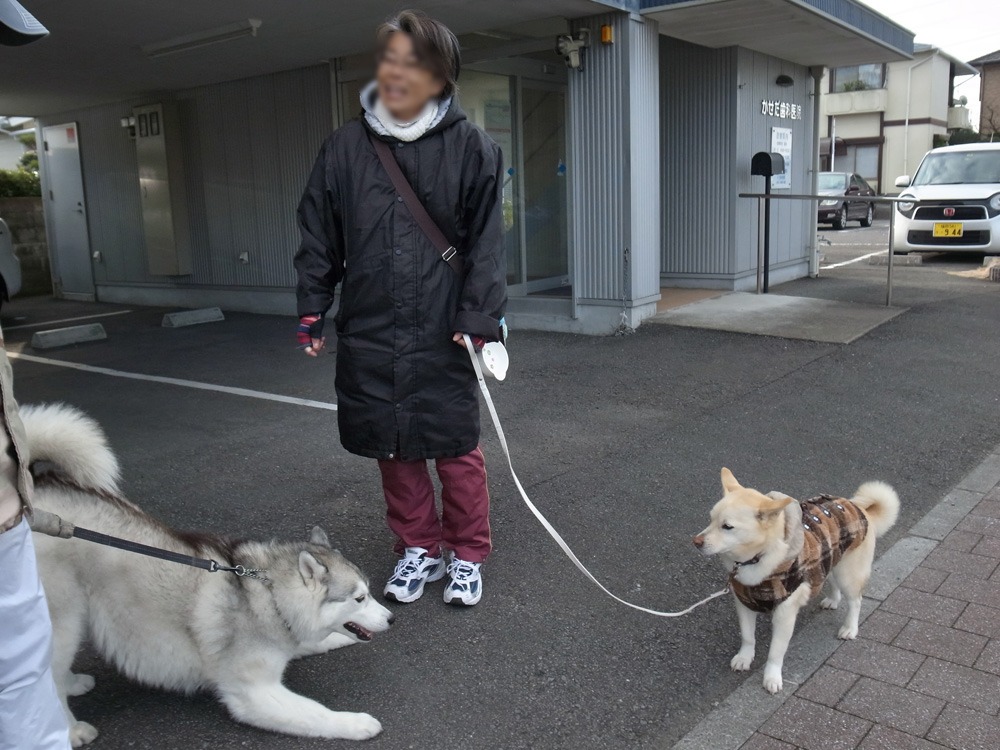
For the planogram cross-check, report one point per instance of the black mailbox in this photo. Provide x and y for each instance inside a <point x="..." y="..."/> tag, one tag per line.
<point x="767" y="164"/>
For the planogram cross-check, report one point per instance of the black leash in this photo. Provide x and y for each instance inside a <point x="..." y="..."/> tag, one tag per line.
<point x="163" y="554"/>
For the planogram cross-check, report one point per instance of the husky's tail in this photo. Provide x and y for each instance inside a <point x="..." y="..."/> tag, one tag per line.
<point x="72" y="441"/>
<point x="880" y="503"/>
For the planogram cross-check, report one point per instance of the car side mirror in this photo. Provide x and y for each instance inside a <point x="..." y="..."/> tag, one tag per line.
<point x="903" y="181"/>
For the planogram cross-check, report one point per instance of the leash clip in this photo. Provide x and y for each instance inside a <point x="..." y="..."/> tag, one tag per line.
<point x="241" y="571"/>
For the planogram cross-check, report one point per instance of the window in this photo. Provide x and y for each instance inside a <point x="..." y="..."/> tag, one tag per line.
<point x="858" y="78"/>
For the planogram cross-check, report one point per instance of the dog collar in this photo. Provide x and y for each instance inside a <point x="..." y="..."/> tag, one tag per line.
<point x="752" y="561"/>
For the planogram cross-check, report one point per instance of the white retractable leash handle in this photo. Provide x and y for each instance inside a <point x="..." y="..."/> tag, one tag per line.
<point x="544" y="521"/>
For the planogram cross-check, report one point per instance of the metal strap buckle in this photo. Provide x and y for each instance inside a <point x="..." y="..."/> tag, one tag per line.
<point x="448" y="254"/>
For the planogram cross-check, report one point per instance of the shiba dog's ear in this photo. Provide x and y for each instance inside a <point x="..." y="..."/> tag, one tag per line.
<point x="311" y="569"/>
<point x="772" y="507"/>
<point x="729" y="483"/>
<point x="318" y="536"/>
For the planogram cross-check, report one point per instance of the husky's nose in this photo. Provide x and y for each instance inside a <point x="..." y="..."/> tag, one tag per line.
<point x="699" y="541"/>
<point x="391" y="619"/>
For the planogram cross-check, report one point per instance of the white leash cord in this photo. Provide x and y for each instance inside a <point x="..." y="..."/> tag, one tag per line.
<point x="544" y="521"/>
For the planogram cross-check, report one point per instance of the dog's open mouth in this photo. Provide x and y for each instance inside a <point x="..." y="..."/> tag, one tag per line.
<point x="359" y="632"/>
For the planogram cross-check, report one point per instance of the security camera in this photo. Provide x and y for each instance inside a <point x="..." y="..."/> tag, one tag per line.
<point x="571" y="48"/>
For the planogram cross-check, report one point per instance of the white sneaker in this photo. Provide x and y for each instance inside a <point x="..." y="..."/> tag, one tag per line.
<point x="465" y="586"/>
<point x="413" y="570"/>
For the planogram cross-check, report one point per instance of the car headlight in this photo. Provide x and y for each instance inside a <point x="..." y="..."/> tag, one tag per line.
<point x="905" y="207"/>
<point x="833" y="202"/>
<point x="995" y="202"/>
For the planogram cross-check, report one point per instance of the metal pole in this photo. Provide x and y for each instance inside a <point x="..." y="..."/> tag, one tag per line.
<point x="767" y="234"/>
<point x="760" y="245"/>
<point x="892" y="254"/>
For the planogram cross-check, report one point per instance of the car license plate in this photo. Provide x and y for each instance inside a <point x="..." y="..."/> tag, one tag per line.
<point x="948" y="229"/>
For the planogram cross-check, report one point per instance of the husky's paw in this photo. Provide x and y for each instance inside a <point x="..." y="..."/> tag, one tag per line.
<point x="830" y="602"/>
<point x="742" y="661"/>
<point x="79" y="684"/>
<point x="81" y="734"/>
<point x="848" y="632"/>
<point x="772" y="680"/>
<point x="359" y="727"/>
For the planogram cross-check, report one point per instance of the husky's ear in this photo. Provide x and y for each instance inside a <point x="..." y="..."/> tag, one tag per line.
<point x="318" y="536"/>
<point x="729" y="483"/>
<point x="772" y="507"/>
<point x="311" y="569"/>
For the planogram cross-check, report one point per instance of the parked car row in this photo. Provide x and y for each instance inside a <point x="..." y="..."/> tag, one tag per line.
<point x="955" y="201"/>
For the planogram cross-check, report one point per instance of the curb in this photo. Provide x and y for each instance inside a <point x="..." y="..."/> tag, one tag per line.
<point x="747" y="708"/>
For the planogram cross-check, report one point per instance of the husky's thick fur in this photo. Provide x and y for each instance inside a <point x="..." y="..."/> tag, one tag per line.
<point x="762" y="537"/>
<point x="183" y="628"/>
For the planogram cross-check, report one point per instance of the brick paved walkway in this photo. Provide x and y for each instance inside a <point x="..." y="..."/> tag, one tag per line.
<point x="924" y="673"/>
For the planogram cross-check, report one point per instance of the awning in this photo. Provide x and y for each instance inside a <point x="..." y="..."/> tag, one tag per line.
<point x="824" y="147"/>
<point x="828" y="33"/>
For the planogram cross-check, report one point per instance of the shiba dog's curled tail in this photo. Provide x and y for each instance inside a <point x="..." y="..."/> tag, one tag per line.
<point x="72" y="441"/>
<point x="880" y="503"/>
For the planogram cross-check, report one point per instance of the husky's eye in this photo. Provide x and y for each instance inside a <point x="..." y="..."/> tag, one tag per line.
<point x="360" y="598"/>
<point x="727" y="526"/>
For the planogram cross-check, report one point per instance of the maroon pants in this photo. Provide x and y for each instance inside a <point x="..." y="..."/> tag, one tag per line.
<point x="464" y="525"/>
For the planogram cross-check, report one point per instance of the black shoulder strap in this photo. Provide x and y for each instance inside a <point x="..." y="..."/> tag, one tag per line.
<point x="448" y="252"/>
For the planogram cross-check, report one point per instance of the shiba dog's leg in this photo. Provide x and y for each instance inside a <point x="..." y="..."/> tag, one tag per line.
<point x="851" y="576"/>
<point x="253" y="693"/>
<point x="833" y="600"/>
<point x="69" y="614"/>
<point x="782" y="628"/>
<point x="748" y="625"/>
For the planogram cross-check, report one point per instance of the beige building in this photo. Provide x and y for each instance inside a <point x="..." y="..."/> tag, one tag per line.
<point x="885" y="117"/>
<point x="989" y="93"/>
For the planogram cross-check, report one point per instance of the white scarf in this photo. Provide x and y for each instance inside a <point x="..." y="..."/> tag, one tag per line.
<point x="384" y="123"/>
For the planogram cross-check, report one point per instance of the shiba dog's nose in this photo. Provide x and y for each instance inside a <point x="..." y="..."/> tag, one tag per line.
<point x="391" y="619"/>
<point x="699" y="541"/>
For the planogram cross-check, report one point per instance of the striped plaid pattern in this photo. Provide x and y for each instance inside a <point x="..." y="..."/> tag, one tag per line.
<point x="832" y="527"/>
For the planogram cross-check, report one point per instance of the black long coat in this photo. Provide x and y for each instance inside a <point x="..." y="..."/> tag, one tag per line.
<point x="404" y="388"/>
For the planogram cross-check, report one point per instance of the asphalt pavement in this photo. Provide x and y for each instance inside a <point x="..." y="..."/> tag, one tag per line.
<point x="618" y="440"/>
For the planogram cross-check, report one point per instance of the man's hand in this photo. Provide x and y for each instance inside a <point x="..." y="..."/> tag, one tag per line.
<point x="310" y="334"/>
<point x="478" y="342"/>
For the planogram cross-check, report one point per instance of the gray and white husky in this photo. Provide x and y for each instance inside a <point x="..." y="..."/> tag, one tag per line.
<point x="181" y="628"/>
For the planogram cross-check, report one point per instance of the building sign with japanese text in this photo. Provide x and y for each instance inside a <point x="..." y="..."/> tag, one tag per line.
<point x="782" y="110"/>
<point x="781" y="143"/>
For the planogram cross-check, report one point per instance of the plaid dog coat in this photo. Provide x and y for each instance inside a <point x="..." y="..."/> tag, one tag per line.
<point x="832" y="526"/>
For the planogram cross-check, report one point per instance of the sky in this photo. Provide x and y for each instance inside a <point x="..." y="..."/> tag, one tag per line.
<point x="965" y="29"/>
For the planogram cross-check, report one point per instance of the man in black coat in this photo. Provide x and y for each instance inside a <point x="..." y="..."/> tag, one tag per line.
<point x="405" y="391"/>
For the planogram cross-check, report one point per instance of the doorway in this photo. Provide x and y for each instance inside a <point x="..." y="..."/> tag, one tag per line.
<point x="65" y="213"/>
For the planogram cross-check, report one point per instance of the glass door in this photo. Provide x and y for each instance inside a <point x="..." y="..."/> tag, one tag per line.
<point x="543" y="192"/>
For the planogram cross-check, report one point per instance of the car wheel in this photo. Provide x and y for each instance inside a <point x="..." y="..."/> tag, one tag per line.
<point x="869" y="216"/>
<point x="840" y="221"/>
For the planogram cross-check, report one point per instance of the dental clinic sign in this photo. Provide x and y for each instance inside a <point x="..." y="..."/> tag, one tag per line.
<point x="781" y="143"/>
<point x="781" y="110"/>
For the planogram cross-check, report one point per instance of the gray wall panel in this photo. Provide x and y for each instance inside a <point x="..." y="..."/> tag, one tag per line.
<point x="698" y="110"/>
<point x="599" y="158"/>
<point x="248" y="148"/>
<point x="644" y="107"/>
<point x="790" y="220"/>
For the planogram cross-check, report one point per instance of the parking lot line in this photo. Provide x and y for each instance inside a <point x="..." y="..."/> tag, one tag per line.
<point x="246" y="392"/>
<point x="67" y="320"/>
<point x="853" y="260"/>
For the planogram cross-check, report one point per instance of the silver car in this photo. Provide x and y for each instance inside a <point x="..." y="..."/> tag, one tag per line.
<point x="958" y="189"/>
<point x="10" y="265"/>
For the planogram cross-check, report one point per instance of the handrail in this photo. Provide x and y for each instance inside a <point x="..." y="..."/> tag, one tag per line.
<point x="761" y="197"/>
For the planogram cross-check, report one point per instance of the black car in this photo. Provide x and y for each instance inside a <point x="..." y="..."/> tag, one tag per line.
<point x="838" y="209"/>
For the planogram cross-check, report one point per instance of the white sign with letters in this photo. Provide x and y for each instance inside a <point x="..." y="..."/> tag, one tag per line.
<point x="781" y="143"/>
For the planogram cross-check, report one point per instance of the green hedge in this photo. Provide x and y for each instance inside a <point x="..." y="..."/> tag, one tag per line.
<point x="19" y="183"/>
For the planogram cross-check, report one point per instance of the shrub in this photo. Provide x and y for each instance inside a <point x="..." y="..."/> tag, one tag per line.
<point x="19" y="183"/>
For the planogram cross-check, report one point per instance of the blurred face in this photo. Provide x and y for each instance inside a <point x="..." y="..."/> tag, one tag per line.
<point x="404" y="84"/>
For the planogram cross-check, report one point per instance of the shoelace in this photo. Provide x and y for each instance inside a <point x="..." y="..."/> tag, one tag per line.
<point x="461" y="571"/>
<point x="408" y="567"/>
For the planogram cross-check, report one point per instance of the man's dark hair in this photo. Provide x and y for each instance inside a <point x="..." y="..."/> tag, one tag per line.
<point x="434" y="44"/>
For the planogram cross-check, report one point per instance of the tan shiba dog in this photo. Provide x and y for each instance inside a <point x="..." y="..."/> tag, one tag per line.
<point x="780" y="552"/>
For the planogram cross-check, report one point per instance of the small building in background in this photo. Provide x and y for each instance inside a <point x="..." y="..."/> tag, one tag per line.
<point x="883" y="117"/>
<point x="989" y="94"/>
